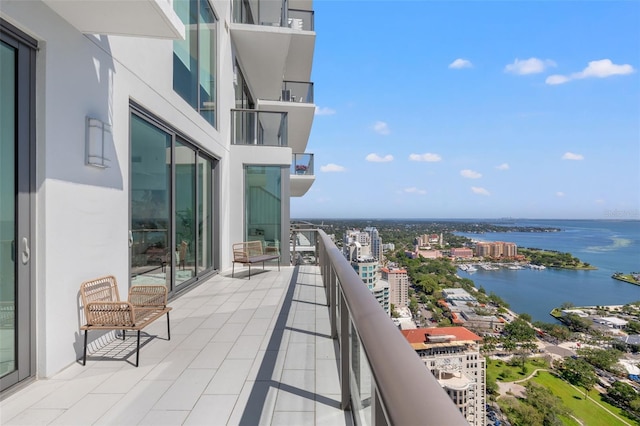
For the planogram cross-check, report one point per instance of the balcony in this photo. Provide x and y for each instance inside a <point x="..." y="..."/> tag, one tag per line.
<point x="306" y="345"/>
<point x="272" y="41"/>
<point x="296" y="99"/>
<point x="302" y="176"/>
<point x="141" y="18"/>
<point x="252" y="127"/>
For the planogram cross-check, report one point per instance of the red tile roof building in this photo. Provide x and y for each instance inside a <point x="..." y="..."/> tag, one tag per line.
<point x="452" y="354"/>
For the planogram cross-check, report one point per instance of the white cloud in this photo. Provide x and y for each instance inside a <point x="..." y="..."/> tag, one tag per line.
<point x="479" y="190"/>
<point x="460" y="63"/>
<point x="559" y="194"/>
<point x="470" y="174"/>
<point x="597" y="69"/>
<point x="529" y="66"/>
<point x="552" y="80"/>
<point x="503" y="166"/>
<point x="324" y="111"/>
<point x="572" y="156"/>
<point x="414" y="190"/>
<point x="375" y="158"/>
<point x="427" y="156"/>
<point x="381" y="128"/>
<point x="600" y="201"/>
<point x="332" y="168"/>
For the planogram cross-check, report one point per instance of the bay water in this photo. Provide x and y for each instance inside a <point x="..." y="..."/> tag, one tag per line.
<point x="610" y="245"/>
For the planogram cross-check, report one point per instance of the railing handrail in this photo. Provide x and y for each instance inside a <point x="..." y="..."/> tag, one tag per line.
<point x="409" y="393"/>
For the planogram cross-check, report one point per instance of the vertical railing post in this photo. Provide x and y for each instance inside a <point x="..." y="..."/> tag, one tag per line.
<point x="377" y="412"/>
<point x="333" y="307"/>
<point x="345" y="362"/>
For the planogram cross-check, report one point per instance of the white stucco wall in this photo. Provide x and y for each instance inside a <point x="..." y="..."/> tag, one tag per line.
<point x="82" y="212"/>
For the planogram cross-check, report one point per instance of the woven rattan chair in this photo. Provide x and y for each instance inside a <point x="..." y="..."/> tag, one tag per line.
<point x="104" y="310"/>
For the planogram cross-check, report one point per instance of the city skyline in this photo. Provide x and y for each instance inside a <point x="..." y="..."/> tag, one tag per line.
<point x="476" y="110"/>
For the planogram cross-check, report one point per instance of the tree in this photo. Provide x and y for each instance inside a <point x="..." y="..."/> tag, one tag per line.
<point x="525" y="317"/>
<point x="622" y="393"/>
<point x="604" y="359"/>
<point x="549" y="405"/>
<point x="579" y="372"/>
<point x="519" y="331"/>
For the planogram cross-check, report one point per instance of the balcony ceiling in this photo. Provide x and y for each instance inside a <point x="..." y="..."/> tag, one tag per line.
<point x="300" y="184"/>
<point x="139" y="18"/>
<point x="299" y="121"/>
<point x="269" y="55"/>
<point x="301" y="4"/>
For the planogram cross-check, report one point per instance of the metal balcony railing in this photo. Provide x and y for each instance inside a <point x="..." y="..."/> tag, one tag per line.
<point x="302" y="164"/>
<point x="383" y="381"/>
<point x="272" y="13"/>
<point x="253" y="127"/>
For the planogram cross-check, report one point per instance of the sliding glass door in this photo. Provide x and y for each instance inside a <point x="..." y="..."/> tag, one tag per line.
<point x="171" y="207"/>
<point x="17" y="58"/>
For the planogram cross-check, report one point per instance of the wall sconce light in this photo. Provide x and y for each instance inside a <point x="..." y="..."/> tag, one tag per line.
<point x="97" y="134"/>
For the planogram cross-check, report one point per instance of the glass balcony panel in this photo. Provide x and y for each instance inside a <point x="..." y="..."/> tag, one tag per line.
<point x="251" y="127"/>
<point x="301" y="20"/>
<point x="302" y="164"/>
<point x="360" y="380"/>
<point x="272" y="13"/>
<point x="297" y="91"/>
<point x="260" y="12"/>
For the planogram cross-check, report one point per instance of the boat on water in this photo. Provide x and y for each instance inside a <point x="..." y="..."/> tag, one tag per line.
<point x="471" y="268"/>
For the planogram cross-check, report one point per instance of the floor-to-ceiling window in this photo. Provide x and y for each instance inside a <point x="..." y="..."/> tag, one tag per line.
<point x="263" y="217"/>
<point x="17" y="101"/>
<point x="194" y="58"/>
<point x="171" y="206"/>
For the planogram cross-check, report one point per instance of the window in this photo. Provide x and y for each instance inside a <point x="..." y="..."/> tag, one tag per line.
<point x="172" y="209"/>
<point x="194" y="58"/>
<point x="263" y="216"/>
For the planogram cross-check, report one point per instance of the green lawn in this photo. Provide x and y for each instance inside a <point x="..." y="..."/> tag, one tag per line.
<point x="498" y="369"/>
<point x="587" y="411"/>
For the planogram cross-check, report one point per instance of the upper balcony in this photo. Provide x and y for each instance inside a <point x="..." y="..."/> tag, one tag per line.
<point x="140" y="18"/>
<point x="264" y="128"/>
<point x="296" y="99"/>
<point x="307" y="344"/>
<point x="272" y="41"/>
<point x="302" y="175"/>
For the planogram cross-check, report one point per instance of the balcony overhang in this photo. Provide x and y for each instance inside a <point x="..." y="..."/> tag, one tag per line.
<point x="139" y="18"/>
<point x="269" y="55"/>
<point x="299" y="121"/>
<point x="300" y="184"/>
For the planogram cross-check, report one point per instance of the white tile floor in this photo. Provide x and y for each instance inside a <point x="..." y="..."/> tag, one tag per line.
<point x="241" y="352"/>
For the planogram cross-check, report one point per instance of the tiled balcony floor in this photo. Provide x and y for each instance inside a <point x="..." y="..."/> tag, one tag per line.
<point x="241" y="352"/>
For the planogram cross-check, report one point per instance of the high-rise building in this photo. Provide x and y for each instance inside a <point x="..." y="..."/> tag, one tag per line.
<point x="452" y="354"/>
<point x="496" y="249"/>
<point x="398" y="285"/>
<point x="149" y="137"/>
<point x="375" y="241"/>
<point x="368" y="269"/>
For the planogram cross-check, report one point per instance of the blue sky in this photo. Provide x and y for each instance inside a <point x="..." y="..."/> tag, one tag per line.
<point x="477" y="109"/>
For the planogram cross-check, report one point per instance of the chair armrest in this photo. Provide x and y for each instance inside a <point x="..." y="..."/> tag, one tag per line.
<point x="148" y="295"/>
<point x="109" y="314"/>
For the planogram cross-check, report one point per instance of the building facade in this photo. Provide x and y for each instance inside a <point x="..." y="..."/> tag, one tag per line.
<point x="368" y="269"/>
<point x="141" y="140"/>
<point x="496" y="249"/>
<point x="398" y="286"/>
<point x="452" y="354"/>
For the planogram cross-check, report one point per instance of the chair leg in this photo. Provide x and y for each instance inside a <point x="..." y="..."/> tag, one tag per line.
<point x="84" y="356"/>
<point x="278" y="264"/>
<point x="138" y="349"/>
<point x="168" y="328"/>
<point x="124" y="334"/>
<point x="233" y="269"/>
<point x="249" y="271"/>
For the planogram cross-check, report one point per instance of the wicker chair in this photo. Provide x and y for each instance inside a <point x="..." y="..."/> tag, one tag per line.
<point x="104" y="310"/>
